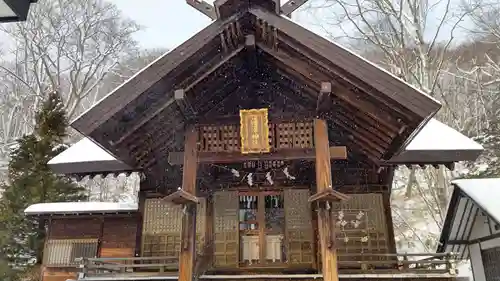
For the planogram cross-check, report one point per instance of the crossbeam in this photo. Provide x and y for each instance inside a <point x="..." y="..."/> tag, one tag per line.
<point x="336" y="153"/>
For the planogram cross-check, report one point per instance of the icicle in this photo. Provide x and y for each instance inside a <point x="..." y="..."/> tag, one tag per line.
<point x="269" y="178"/>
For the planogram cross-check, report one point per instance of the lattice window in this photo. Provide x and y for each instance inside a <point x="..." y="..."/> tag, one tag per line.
<point x="161" y="229"/>
<point x="285" y="134"/>
<point x="361" y="227"/>
<point x="294" y="135"/>
<point x="226" y="138"/>
<point x="303" y="135"/>
<point x="64" y="252"/>
<point x="491" y="262"/>
<point x="299" y="230"/>
<point x="220" y="138"/>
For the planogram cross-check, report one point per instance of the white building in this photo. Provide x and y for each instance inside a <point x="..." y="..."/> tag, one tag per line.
<point x="472" y="226"/>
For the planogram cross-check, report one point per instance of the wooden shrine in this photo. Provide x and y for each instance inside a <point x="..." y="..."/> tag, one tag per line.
<point x="265" y="153"/>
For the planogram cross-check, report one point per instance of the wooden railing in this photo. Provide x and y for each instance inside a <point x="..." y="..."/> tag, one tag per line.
<point x="90" y="267"/>
<point x="415" y="263"/>
<point x="422" y="265"/>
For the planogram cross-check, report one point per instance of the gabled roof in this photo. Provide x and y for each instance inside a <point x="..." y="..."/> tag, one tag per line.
<point x="435" y="143"/>
<point x="65" y="208"/>
<point x="142" y="119"/>
<point x="470" y="198"/>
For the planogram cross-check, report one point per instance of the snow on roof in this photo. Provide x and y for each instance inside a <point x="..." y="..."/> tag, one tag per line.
<point x="485" y="192"/>
<point x="83" y="151"/>
<point x="79" y="207"/>
<point x="86" y="156"/>
<point x="439" y="143"/>
<point x="470" y="198"/>
<point x="438" y="136"/>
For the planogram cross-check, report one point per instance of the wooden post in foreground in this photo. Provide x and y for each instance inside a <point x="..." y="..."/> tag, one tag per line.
<point x="188" y="193"/>
<point x="322" y="201"/>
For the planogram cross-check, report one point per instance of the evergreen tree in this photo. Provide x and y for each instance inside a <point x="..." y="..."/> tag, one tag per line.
<point x="31" y="181"/>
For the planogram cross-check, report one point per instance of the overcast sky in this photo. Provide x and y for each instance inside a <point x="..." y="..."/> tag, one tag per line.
<point x="167" y="23"/>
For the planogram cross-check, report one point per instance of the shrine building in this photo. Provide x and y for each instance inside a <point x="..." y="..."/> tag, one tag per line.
<point x="264" y="151"/>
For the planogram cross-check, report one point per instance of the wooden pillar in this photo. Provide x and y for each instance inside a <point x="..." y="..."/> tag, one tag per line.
<point x="187" y="253"/>
<point x="140" y="218"/>
<point x="326" y="223"/>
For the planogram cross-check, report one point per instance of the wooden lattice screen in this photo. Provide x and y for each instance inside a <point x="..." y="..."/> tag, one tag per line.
<point x="226" y="238"/>
<point x="299" y="231"/>
<point x="361" y="227"/>
<point x="161" y="236"/>
<point x="281" y="136"/>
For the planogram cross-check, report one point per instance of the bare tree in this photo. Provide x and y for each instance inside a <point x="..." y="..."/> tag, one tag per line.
<point x="414" y="40"/>
<point x="70" y="45"/>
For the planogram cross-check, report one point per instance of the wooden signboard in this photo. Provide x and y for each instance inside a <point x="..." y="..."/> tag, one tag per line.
<point x="254" y="130"/>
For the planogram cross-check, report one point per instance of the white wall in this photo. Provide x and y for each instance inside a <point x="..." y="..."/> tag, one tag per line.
<point x="483" y="227"/>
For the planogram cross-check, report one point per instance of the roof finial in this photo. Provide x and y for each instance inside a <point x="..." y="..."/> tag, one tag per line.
<point x="224" y="8"/>
<point x="204" y="7"/>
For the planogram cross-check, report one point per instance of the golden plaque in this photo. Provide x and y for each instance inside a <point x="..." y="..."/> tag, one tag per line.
<point x="254" y="130"/>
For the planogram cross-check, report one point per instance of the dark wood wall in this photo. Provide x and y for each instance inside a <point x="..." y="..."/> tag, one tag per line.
<point x="116" y="236"/>
<point x="74" y="228"/>
<point x="119" y="237"/>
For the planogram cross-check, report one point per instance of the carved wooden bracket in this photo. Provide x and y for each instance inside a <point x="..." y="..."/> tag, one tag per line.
<point x="322" y="200"/>
<point x="328" y="195"/>
<point x="182" y="197"/>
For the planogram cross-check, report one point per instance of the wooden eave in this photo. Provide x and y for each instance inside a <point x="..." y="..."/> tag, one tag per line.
<point x="141" y="121"/>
